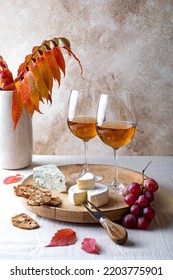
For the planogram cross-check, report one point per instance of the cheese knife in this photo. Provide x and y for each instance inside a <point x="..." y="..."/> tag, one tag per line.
<point x="115" y="231"/>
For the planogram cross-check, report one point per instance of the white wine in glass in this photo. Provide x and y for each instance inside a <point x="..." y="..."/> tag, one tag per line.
<point x="81" y="121"/>
<point x="116" y="126"/>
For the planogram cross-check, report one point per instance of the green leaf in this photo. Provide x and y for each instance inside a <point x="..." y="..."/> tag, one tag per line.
<point x="61" y="41"/>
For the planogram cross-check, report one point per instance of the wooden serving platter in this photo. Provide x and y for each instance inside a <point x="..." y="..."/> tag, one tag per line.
<point x="67" y="212"/>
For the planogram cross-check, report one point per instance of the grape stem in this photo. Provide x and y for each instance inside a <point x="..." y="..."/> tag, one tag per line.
<point x="143" y="175"/>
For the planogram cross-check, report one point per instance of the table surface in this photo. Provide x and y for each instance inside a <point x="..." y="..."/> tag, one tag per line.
<point x="155" y="243"/>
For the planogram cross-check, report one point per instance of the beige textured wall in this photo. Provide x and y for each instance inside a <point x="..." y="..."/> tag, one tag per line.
<point x="119" y="42"/>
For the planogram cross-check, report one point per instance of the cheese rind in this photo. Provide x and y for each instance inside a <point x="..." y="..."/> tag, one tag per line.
<point x="49" y="177"/>
<point x="75" y="195"/>
<point x="86" y="182"/>
<point x="99" y="195"/>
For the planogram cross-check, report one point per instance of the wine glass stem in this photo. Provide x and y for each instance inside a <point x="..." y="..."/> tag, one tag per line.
<point x="115" y="181"/>
<point x="85" y="169"/>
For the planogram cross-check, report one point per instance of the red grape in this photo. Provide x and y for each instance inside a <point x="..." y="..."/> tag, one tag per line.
<point x="129" y="221"/>
<point x="125" y="191"/>
<point x="130" y="199"/>
<point x="143" y="223"/>
<point x="135" y="209"/>
<point x="151" y="185"/>
<point x="142" y="200"/>
<point x="150" y="196"/>
<point x="134" y="188"/>
<point x="149" y="213"/>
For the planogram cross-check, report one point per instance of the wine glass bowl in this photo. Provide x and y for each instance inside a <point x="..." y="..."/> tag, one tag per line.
<point x="116" y="125"/>
<point x="83" y="127"/>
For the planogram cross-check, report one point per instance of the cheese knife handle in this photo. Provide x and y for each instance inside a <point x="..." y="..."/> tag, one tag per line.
<point x="115" y="231"/>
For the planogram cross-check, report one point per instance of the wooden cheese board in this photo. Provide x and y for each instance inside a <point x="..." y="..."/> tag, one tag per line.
<point x="67" y="212"/>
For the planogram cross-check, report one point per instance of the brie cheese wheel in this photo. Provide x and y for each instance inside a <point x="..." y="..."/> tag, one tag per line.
<point x="99" y="195"/>
<point x="86" y="182"/>
<point x="49" y="177"/>
<point x="75" y="195"/>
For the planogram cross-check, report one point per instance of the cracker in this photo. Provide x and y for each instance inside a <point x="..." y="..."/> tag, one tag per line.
<point x="24" y="221"/>
<point x="39" y="197"/>
<point x="24" y="190"/>
<point x="55" y="201"/>
<point x="36" y="196"/>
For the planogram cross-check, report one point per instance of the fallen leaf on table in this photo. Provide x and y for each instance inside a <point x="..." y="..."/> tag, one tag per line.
<point x="63" y="237"/>
<point x="12" y="179"/>
<point x="89" y="246"/>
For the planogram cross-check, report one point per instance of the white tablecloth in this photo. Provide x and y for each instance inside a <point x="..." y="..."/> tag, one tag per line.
<point x="154" y="243"/>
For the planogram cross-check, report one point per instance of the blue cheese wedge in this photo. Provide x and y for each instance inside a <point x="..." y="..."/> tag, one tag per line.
<point x="49" y="177"/>
<point x="86" y="182"/>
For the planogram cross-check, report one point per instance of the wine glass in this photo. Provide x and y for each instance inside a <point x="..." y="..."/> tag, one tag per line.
<point x="116" y="126"/>
<point x="81" y="121"/>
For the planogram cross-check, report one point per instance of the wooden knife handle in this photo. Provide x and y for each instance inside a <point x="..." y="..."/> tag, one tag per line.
<point x="115" y="231"/>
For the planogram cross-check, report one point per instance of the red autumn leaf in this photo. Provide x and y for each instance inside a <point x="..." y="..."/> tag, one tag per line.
<point x="63" y="237"/>
<point x="3" y="64"/>
<point x="12" y="179"/>
<point x="89" y="246"/>
<point x="6" y="80"/>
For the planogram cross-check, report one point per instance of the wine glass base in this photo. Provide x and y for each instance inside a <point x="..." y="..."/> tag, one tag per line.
<point x="75" y="176"/>
<point x="116" y="188"/>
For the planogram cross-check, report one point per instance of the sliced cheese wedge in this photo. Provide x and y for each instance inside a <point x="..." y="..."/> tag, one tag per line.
<point x="99" y="195"/>
<point x="86" y="182"/>
<point x="75" y="195"/>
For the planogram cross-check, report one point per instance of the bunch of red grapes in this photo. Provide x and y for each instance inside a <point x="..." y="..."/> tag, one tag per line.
<point x="139" y="198"/>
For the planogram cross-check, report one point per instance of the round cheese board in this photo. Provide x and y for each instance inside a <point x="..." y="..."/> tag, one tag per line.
<point x="115" y="209"/>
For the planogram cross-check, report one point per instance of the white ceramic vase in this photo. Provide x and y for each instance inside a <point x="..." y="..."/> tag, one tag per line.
<point x="15" y="145"/>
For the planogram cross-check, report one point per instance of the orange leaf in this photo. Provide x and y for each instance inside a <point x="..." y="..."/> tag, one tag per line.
<point x="59" y="58"/>
<point x="12" y="179"/>
<point x="31" y="86"/>
<point x="49" y="56"/>
<point x="22" y="66"/>
<point x="46" y="72"/>
<point x="20" y="86"/>
<point x="89" y="246"/>
<point x="42" y="88"/>
<point x="35" y="49"/>
<point x="17" y="107"/>
<point x="30" y="107"/>
<point x="63" y="237"/>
